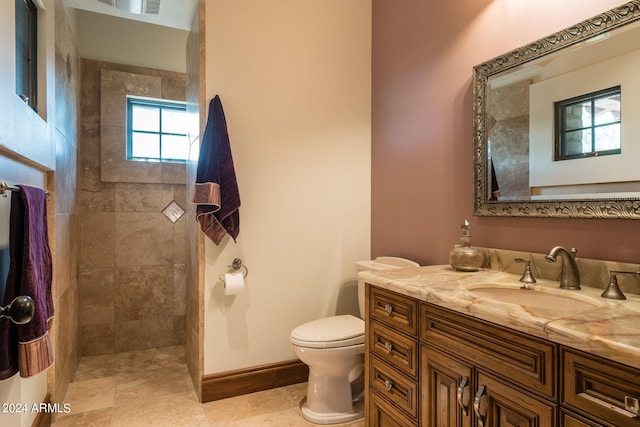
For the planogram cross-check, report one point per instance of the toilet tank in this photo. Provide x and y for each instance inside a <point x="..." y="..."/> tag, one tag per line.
<point x="380" y="263"/>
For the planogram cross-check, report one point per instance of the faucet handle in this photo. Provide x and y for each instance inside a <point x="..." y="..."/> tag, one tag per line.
<point x="613" y="290"/>
<point x="527" y="275"/>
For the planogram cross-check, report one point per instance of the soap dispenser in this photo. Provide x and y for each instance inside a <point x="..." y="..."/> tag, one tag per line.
<point x="463" y="257"/>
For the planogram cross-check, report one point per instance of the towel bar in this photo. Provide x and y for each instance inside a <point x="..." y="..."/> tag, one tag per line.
<point x="4" y="188"/>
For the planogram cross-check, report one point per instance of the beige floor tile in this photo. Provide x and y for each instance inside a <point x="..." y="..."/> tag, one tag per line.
<point x="169" y="411"/>
<point x="247" y="406"/>
<point x="131" y="361"/>
<point x="152" y="383"/>
<point x="97" y="418"/>
<point x="89" y="395"/>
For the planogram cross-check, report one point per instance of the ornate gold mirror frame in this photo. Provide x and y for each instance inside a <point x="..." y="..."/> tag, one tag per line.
<point x="570" y="208"/>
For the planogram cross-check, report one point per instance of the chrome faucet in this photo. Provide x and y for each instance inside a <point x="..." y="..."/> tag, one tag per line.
<point x="570" y="276"/>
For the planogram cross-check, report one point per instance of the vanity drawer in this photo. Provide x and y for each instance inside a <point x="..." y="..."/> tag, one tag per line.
<point x="519" y="358"/>
<point x="383" y="414"/>
<point x="599" y="388"/>
<point x="572" y="420"/>
<point x="393" y="309"/>
<point x="395" y="348"/>
<point x="394" y="386"/>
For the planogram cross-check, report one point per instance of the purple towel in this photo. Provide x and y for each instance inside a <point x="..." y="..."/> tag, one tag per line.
<point x="216" y="189"/>
<point x="27" y="348"/>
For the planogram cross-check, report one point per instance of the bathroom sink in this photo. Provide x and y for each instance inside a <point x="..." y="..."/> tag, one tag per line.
<point x="541" y="301"/>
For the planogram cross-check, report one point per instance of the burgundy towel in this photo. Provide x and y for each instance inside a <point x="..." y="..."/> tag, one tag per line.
<point x="27" y="348"/>
<point x="216" y="189"/>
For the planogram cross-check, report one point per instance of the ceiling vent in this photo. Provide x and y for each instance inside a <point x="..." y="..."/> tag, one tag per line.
<point x="139" y="7"/>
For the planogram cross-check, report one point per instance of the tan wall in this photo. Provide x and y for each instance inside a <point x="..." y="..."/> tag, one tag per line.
<point x="423" y="55"/>
<point x="294" y="82"/>
<point x="132" y="262"/>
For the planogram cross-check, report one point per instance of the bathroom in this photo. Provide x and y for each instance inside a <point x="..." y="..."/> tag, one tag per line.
<point x="357" y="89"/>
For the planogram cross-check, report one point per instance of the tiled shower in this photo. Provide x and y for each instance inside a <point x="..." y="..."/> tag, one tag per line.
<point x="132" y="257"/>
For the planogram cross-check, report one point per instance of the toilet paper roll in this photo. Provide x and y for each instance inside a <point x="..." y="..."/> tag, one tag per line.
<point x="233" y="283"/>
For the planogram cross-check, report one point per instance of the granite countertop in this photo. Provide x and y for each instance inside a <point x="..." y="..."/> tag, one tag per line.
<point x="608" y="328"/>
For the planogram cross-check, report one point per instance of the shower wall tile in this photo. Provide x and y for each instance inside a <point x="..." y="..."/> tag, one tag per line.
<point x="143" y="239"/>
<point x="174" y="86"/>
<point x="66" y="174"/>
<point x="143" y="293"/>
<point x="97" y="296"/>
<point x="172" y="173"/>
<point x="179" y="330"/>
<point x="179" y="289"/>
<point x="97" y="339"/>
<point x="97" y="239"/>
<point x="143" y="197"/>
<point x="180" y="241"/>
<point x="97" y="201"/>
<point x="66" y="248"/>
<point x="89" y="159"/>
<point x="146" y="333"/>
<point x="180" y="195"/>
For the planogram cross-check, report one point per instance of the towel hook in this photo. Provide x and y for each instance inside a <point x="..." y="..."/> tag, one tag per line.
<point x="237" y="265"/>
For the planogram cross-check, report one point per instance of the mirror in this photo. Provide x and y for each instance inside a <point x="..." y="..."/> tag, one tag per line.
<point x="517" y="169"/>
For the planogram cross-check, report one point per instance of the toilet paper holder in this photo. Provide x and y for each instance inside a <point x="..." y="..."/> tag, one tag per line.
<point x="237" y="265"/>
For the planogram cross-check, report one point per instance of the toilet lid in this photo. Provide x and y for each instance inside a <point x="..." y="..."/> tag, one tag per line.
<point x="330" y="332"/>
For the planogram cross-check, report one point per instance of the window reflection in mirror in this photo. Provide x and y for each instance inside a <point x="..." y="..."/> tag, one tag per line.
<point x="588" y="125"/>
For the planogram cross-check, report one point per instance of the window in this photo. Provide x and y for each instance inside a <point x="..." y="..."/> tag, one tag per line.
<point x="588" y="125"/>
<point x="27" y="52"/>
<point x="156" y="130"/>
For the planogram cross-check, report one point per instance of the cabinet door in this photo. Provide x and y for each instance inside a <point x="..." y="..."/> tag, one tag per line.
<point x="446" y="390"/>
<point x="497" y="404"/>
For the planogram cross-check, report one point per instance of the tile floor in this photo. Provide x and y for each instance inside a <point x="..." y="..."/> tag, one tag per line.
<point x="153" y="388"/>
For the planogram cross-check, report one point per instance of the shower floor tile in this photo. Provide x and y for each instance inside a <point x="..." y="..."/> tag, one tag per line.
<point x="153" y="388"/>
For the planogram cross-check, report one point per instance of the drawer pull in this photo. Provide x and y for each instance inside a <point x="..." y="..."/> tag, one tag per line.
<point x="476" y="406"/>
<point x="388" y="308"/>
<point x="388" y="346"/>
<point x="462" y="395"/>
<point x="632" y="405"/>
<point x="388" y="384"/>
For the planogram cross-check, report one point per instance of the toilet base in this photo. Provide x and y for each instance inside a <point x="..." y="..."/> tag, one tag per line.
<point x="333" y="418"/>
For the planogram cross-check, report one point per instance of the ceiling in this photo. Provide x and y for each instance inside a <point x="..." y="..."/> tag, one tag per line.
<point x="173" y="13"/>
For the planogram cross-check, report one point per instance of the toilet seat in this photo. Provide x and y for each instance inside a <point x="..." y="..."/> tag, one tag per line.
<point x="329" y="332"/>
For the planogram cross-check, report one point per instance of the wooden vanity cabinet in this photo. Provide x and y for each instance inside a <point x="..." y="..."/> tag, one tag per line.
<point x="434" y="367"/>
<point x="391" y="359"/>
<point x="474" y="373"/>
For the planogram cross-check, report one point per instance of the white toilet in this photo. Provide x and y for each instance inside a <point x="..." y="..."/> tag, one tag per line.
<point x="333" y="348"/>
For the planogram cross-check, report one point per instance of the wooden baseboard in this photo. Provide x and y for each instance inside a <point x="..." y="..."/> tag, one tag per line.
<point x="244" y="381"/>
